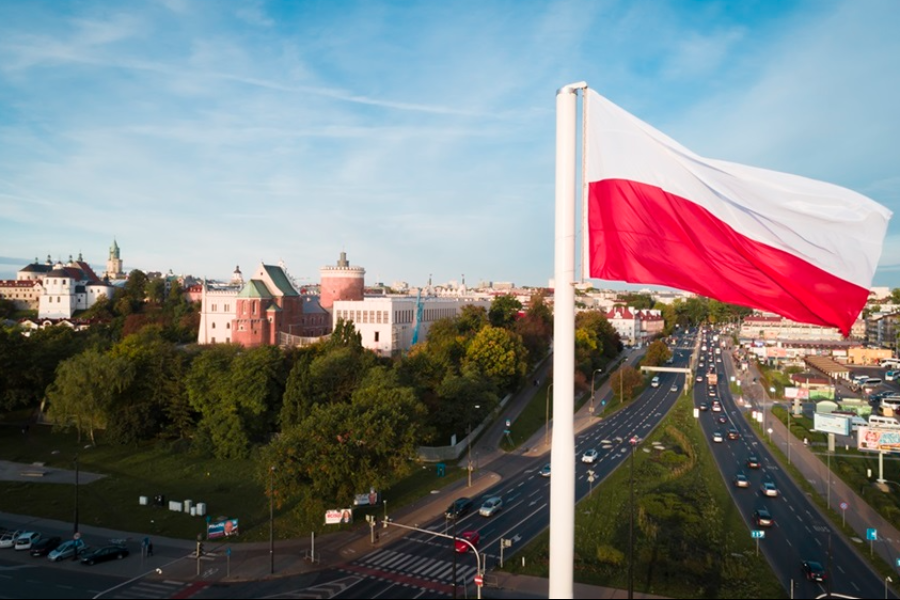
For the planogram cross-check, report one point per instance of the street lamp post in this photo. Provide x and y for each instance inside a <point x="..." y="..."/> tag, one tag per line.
<point x="634" y="442"/>
<point x="547" y="426"/>
<point x="272" y="519"/>
<point x="469" y="449"/>
<point x="76" y="495"/>
<point x="592" y="388"/>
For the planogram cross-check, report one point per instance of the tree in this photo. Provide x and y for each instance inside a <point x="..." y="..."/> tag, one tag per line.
<point x="459" y="396"/>
<point x="657" y="353"/>
<point x="85" y="389"/>
<point x="498" y="354"/>
<point x="504" y="311"/>
<point x="624" y="381"/>
<point x="895" y="296"/>
<point x="342" y="448"/>
<point x="345" y="336"/>
<point x="156" y="290"/>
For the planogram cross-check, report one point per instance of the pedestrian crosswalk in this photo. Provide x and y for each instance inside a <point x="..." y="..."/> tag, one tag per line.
<point x="150" y="588"/>
<point x="420" y="567"/>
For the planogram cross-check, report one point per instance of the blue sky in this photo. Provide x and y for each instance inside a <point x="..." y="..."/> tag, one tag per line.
<point x="416" y="136"/>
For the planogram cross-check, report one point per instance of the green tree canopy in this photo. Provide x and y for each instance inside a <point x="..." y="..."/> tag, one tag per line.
<point x="504" y="311"/>
<point x="498" y="354"/>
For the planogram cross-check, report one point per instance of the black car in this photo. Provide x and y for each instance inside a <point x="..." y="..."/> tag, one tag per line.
<point x="103" y="554"/>
<point x="763" y="518"/>
<point x="753" y="461"/>
<point x="459" y="508"/>
<point x="733" y="433"/>
<point x="814" y="571"/>
<point x="45" y="546"/>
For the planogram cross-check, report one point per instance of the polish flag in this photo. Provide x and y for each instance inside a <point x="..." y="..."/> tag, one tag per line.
<point x="657" y="213"/>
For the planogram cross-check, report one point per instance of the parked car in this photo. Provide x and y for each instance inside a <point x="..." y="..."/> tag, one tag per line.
<point x="459" y="508"/>
<point x="45" y="546"/>
<point x="491" y="506"/>
<point x="813" y="570"/>
<point x="25" y="540"/>
<point x="769" y="489"/>
<point x="590" y="456"/>
<point x="472" y="536"/>
<point x="8" y="539"/>
<point x="67" y="550"/>
<point x="103" y="554"/>
<point x="763" y="518"/>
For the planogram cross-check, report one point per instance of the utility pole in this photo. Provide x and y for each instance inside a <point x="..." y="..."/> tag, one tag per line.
<point x="272" y="519"/>
<point x="76" y="495"/>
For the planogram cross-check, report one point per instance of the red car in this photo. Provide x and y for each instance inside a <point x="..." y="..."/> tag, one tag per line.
<point x="472" y="536"/>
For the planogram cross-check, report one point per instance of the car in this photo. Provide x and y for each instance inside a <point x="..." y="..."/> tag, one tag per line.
<point x="590" y="456"/>
<point x="753" y="462"/>
<point x="722" y="419"/>
<point x="545" y="470"/>
<point x="674" y="388"/>
<point x="762" y="517"/>
<point x="491" y="506"/>
<point x="704" y="406"/>
<point x="104" y="554"/>
<point x="712" y="391"/>
<point x="25" y="540"/>
<point x="8" y="539"/>
<point x="717" y="437"/>
<point x="733" y="433"/>
<point x="769" y="489"/>
<point x="716" y="407"/>
<point x="45" y="546"/>
<point x="459" y="508"/>
<point x="471" y="536"/>
<point x="813" y="570"/>
<point x="699" y="378"/>
<point x="741" y="481"/>
<point x="67" y="550"/>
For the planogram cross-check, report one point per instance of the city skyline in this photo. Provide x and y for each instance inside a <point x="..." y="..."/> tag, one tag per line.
<point x="417" y="137"/>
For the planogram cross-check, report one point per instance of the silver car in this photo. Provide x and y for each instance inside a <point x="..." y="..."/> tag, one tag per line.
<point x="491" y="506"/>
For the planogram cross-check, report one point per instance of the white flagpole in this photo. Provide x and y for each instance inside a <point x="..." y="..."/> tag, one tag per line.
<point x="562" y="458"/>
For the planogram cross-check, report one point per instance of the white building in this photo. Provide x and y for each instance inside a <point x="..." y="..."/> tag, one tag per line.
<point x="69" y="288"/>
<point x="388" y="324"/>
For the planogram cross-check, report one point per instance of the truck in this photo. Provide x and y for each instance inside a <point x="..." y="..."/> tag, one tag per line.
<point x="712" y="379"/>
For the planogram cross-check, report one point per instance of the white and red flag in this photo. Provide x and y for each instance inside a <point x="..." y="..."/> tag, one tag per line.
<point x="657" y="213"/>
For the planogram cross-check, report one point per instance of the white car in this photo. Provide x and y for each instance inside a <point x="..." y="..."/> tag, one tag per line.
<point x="674" y="388"/>
<point x="590" y="456"/>
<point x="769" y="489"/>
<point x="8" y="540"/>
<point x="25" y="540"/>
<point x="718" y="437"/>
<point x="491" y="506"/>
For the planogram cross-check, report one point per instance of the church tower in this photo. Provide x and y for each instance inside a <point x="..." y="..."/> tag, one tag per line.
<point x="114" y="263"/>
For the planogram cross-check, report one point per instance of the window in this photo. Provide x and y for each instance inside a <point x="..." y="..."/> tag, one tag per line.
<point x="376" y="336"/>
<point x="227" y="308"/>
<point x="227" y="325"/>
<point x="214" y="325"/>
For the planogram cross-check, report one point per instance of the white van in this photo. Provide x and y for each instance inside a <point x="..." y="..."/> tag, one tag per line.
<point x="893" y="363"/>
<point x="883" y="422"/>
<point x="654" y="382"/>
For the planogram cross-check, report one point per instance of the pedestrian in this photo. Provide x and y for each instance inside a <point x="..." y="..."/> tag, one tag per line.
<point x="150" y="549"/>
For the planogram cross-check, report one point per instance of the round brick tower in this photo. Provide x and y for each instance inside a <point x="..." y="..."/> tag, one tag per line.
<point x="341" y="282"/>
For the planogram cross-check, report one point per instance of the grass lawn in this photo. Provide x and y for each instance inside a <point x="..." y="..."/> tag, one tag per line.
<point x="690" y="539"/>
<point x="229" y="488"/>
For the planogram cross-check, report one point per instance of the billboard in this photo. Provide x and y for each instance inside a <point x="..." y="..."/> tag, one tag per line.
<point x="337" y="516"/>
<point x="873" y="439"/>
<point x="218" y="529"/>
<point x="831" y="423"/>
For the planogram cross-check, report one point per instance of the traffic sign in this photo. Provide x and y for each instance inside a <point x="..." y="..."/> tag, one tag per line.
<point x="844" y="506"/>
<point x="758" y="533"/>
<point x="871" y="533"/>
<point x="479" y="580"/>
